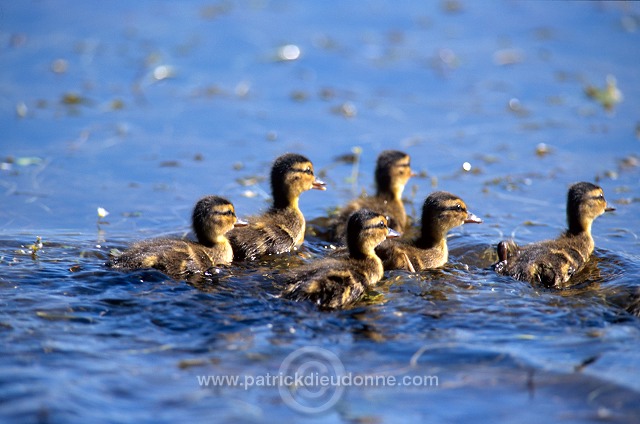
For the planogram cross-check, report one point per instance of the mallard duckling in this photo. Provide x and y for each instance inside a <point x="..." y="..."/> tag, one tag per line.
<point x="441" y="212"/>
<point x="338" y="282"/>
<point x="212" y="217"/>
<point x="393" y="170"/>
<point x="553" y="262"/>
<point x="281" y="228"/>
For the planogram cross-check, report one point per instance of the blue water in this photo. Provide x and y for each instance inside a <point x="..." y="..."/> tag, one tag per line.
<point x="142" y="107"/>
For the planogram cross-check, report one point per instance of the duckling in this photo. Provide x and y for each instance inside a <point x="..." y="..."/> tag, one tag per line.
<point x="441" y="212"/>
<point x="553" y="262"/>
<point x="212" y="217"/>
<point x="282" y="227"/>
<point x="393" y="170"/>
<point x="339" y="282"/>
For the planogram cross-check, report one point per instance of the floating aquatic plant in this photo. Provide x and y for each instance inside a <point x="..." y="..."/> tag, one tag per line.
<point x="35" y="247"/>
<point x="608" y="96"/>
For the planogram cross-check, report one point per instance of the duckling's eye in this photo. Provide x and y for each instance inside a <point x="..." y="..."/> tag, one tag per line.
<point x="381" y="224"/>
<point x="459" y="207"/>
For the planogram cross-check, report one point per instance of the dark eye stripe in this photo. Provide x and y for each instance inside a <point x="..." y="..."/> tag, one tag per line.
<point x="304" y="171"/>
<point x="455" y="208"/>
<point x="375" y="226"/>
<point x="228" y="213"/>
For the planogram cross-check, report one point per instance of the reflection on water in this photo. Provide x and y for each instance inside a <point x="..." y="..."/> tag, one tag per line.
<point x="104" y="107"/>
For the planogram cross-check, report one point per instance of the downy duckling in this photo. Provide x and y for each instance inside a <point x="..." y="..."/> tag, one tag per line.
<point x="553" y="262"/>
<point x="339" y="282"/>
<point x="212" y="217"/>
<point x="282" y="227"/>
<point x="441" y="212"/>
<point x="393" y="170"/>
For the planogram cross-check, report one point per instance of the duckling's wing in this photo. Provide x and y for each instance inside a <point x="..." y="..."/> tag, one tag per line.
<point x="174" y="257"/>
<point x="399" y="255"/>
<point x="259" y="239"/>
<point x="328" y="284"/>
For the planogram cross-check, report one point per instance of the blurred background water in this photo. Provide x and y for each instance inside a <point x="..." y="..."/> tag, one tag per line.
<point x="142" y="107"/>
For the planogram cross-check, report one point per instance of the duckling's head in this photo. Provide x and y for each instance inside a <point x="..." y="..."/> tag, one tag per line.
<point x="366" y="230"/>
<point x="393" y="170"/>
<point x="443" y="211"/>
<point x="291" y="175"/>
<point x="212" y="217"/>
<point x="585" y="202"/>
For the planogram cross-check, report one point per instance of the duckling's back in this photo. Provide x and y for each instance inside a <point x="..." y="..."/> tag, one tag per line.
<point x="393" y="209"/>
<point x="333" y="283"/>
<point x="549" y="263"/>
<point x="402" y="255"/>
<point x="278" y="231"/>
<point x="176" y="258"/>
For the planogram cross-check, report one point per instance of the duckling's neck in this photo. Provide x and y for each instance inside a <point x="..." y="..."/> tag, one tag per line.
<point x="583" y="234"/>
<point x="578" y="226"/>
<point x="361" y="252"/>
<point x="431" y="237"/>
<point x="389" y="194"/>
<point x="214" y="241"/>
<point x="285" y="200"/>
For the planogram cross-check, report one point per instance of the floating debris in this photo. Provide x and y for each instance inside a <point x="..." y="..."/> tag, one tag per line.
<point x="466" y="167"/>
<point x="542" y="150"/>
<point x="102" y="213"/>
<point x="27" y="161"/>
<point x="272" y="136"/>
<point x="59" y="66"/>
<point x="212" y="11"/>
<point x="347" y="109"/>
<point x="299" y="95"/>
<point x="134" y="214"/>
<point x="163" y="72"/>
<point x="508" y="57"/>
<point x="170" y="164"/>
<point x="289" y="52"/>
<point x="116" y="104"/>
<point x="72" y="99"/>
<point x="630" y="161"/>
<point x="608" y="97"/>
<point x="447" y="56"/>
<point x="516" y="107"/>
<point x="451" y="6"/>
<point x="327" y="93"/>
<point x="355" y="166"/>
<point x="35" y="247"/>
<point x="249" y="181"/>
<point x="242" y="89"/>
<point x="250" y="194"/>
<point x="22" y="110"/>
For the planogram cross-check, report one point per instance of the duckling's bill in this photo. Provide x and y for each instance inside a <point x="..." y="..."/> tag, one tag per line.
<point x="240" y="223"/>
<point x="393" y="233"/>
<point x="319" y="185"/>
<point x="472" y="219"/>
